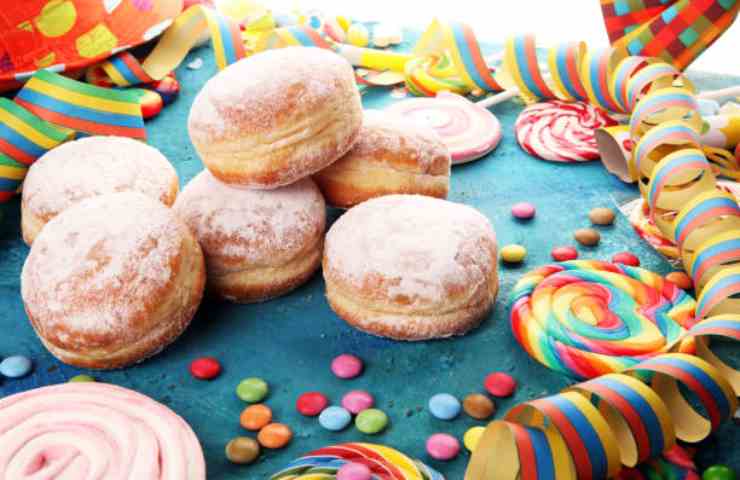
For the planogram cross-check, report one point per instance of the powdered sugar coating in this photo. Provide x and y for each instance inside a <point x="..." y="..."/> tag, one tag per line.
<point x="94" y="166"/>
<point x="412" y="249"/>
<point x="99" y="265"/>
<point x="240" y="228"/>
<point x="411" y="146"/>
<point x="258" y="93"/>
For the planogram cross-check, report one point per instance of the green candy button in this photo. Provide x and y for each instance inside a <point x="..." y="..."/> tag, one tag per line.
<point x="718" y="472"/>
<point x="252" y="390"/>
<point x="371" y="421"/>
<point x="81" y="379"/>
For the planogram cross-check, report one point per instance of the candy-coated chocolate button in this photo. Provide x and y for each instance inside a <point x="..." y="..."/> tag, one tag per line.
<point x="478" y="406"/>
<point x="442" y="446"/>
<point x="523" y="210"/>
<point x="371" y="421"/>
<point x="626" y="258"/>
<point x="205" y="368"/>
<point x="311" y="404"/>
<point x="562" y="254"/>
<point x="357" y="401"/>
<point x="16" y="366"/>
<point x="472" y="437"/>
<point x="681" y="280"/>
<point x="587" y="237"/>
<point x="444" y="406"/>
<point x="335" y="418"/>
<point x="513" y="253"/>
<point x="151" y="103"/>
<point x="242" y="450"/>
<point x="275" y="435"/>
<point x="252" y="390"/>
<point x="81" y="379"/>
<point x="500" y="384"/>
<point x="347" y="366"/>
<point x="354" y="471"/>
<point x="718" y="472"/>
<point x="254" y="417"/>
<point x="601" y="216"/>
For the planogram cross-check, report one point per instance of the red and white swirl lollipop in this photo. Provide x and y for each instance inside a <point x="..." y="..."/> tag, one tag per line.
<point x="470" y="131"/>
<point x="561" y="131"/>
<point x="94" y="431"/>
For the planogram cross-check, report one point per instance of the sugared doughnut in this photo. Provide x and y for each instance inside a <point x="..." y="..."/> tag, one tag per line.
<point x="258" y="244"/>
<point x="276" y="117"/>
<point x="95" y="431"/>
<point x="88" y="167"/>
<point x="112" y="280"/>
<point x="392" y="155"/>
<point x="411" y="267"/>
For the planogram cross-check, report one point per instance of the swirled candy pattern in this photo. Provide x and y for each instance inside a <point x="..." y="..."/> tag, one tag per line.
<point x="95" y="431"/>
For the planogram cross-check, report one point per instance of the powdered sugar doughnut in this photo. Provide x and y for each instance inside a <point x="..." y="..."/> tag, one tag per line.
<point x="258" y="244"/>
<point x="276" y="117"/>
<point x="88" y="167"/>
<point x="112" y="280"/>
<point x="469" y="130"/>
<point x="411" y="267"/>
<point x="561" y="131"/>
<point x="95" y="431"/>
<point x="392" y="155"/>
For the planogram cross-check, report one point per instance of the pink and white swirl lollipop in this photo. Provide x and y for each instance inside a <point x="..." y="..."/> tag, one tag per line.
<point x="561" y="131"/>
<point x="94" y="431"/>
<point x="469" y="130"/>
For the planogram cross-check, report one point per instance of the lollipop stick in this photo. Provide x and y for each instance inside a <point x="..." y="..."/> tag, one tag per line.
<point x="498" y="98"/>
<point x="722" y="92"/>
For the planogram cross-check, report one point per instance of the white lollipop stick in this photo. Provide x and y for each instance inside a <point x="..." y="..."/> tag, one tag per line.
<point x="722" y="92"/>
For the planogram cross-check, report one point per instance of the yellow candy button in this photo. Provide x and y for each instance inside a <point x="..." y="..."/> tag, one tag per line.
<point x="358" y="35"/>
<point x="513" y="253"/>
<point x="472" y="436"/>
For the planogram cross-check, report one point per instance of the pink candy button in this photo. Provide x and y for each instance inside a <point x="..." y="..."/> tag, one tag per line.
<point x="357" y="401"/>
<point x="442" y="446"/>
<point x="346" y="366"/>
<point x="354" y="471"/>
<point x="523" y="210"/>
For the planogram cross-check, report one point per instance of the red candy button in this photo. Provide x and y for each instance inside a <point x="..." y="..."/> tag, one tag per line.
<point x="311" y="404"/>
<point x="626" y="258"/>
<point x="561" y="254"/>
<point x="151" y="104"/>
<point x="500" y="384"/>
<point x="206" y="368"/>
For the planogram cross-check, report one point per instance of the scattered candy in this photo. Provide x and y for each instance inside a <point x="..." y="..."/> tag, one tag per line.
<point x="718" y="472"/>
<point x="81" y="378"/>
<point x="587" y="237"/>
<point x="444" y="406"/>
<point x="335" y="418"/>
<point x="385" y="35"/>
<point x="523" y="210"/>
<point x="472" y="437"/>
<point x="500" y="384"/>
<point x="513" y="253"/>
<point x="478" y="406"/>
<point x="168" y="88"/>
<point x="601" y="216"/>
<point x="357" y="401"/>
<point x="16" y="366"/>
<point x="311" y="404"/>
<point x="252" y="390"/>
<point x="371" y="421"/>
<point x="254" y="417"/>
<point x="626" y="258"/>
<point x="205" y="368"/>
<point x="562" y="254"/>
<point x="442" y="446"/>
<point x="196" y="64"/>
<point x="358" y="35"/>
<point x="347" y="366"/>
<point x="151" y="103"/>
<point x="275" y="435"/>
<point x="354" y="471"/>
<point x="242" y="450"/>
<point x="681" y="280"/>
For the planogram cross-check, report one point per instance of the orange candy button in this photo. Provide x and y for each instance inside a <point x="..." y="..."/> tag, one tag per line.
<point x="254" y="417"/>
<point x="275" y="435"/>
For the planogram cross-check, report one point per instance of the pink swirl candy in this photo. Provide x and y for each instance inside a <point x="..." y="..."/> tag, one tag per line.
<point x="468" y="130"/>
<point x="95" y="431"/>
<point x="561" y="131"/>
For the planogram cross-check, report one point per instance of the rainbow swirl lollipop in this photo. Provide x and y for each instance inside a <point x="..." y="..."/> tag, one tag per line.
<point x="384" y="463"/>
<point x="586" y="318"/>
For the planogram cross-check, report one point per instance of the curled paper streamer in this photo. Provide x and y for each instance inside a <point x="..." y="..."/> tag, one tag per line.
<point x="384" y="463"/>
<point x="592" y="429"/>
<point x="95" y="430"/>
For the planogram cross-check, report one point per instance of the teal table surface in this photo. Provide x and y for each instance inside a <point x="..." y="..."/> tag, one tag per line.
<point x="291" y="341"/>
